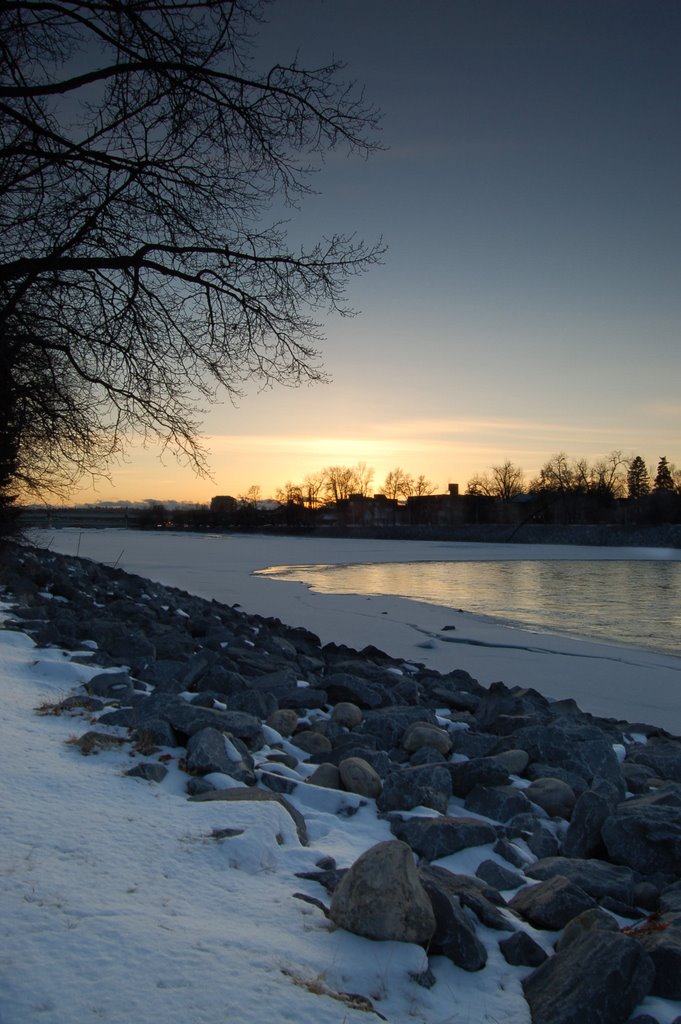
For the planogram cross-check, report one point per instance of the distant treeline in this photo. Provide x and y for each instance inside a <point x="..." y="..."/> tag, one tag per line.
<point x="614" y="490"/>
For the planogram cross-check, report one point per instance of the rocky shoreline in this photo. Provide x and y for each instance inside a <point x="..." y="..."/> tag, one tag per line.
<point x="582" y="815"/>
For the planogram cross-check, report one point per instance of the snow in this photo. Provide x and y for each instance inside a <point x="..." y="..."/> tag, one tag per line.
<point x="119" y="903"/>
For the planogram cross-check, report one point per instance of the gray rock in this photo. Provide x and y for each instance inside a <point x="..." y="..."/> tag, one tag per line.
<point x="479" y="897"/>
<point x="592" y="920"/>
<point x="515" y="761"/>
<point x="661" y="940"/>
<point x="497" y="802"/>
<point x="514" y="854"/>
<point x="388" y="725"/>
<point x="418" y="786"/>
<point x="155" y="732"/>
<point x="433" y="838"/>
<point x="284" y="721"/>
<point x="357" y="776"/>
<point x="425" y="734"/>
<point x="554" y="796"/>
<point x="484" y="771"/>
<point x="521" y="950"/>
<point x="110" y="684"/>
<point x="326" y="775"/>
<point x="661" y="754"/>
<point x="583" y="837"/>
<point x="149" y="770"/>
<point x="498" y="876"/>
<point x="381" y="897"/>
<point x="542" y="843"/>
<point x="474" y="744"/>
<point x="207" y="752"/>
<point x="454" y="935"/>
<point x="551" y="904"/>
<point x="596" y="877"/>
<point x="341" y="686"/>
<point x="597" y="980"/>
<point x="644" y="836"/>
<point x="312" y="742"/>
<point x="347" y="714"/>
<point x="187" y="719"/>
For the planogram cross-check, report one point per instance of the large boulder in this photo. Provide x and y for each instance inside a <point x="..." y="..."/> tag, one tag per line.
<point x="599" y="979"/>
<point x="381" y="897"/>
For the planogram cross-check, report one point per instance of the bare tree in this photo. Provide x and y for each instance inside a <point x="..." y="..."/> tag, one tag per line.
<point x="141" y="148"/>
<point x="341" y="482"/>
<point x="505" y="481"/>
<point x="290" y="494"/>
<point x="423" y="487"/>
<point x="397" y="484"/>
<point x="313" y="488"/>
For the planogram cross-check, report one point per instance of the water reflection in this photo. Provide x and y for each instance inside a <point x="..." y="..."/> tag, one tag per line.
<point x="631" y="602"/>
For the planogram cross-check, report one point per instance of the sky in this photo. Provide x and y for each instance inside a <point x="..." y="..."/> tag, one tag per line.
<point x="529" y="299"/>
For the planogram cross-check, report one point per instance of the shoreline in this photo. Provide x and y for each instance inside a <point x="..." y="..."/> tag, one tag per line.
<point x="631" y="684"/>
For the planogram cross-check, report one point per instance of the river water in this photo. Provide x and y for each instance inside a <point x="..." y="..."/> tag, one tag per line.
<point x="626" y="602"/>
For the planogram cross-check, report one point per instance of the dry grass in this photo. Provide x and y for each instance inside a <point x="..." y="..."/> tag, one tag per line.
<point x="318" y="987"/>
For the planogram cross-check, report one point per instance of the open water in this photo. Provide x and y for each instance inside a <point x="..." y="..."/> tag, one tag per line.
<point x="626" y="602"/>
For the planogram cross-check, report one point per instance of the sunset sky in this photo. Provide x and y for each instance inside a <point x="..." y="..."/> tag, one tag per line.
<point x="530" y="300"/>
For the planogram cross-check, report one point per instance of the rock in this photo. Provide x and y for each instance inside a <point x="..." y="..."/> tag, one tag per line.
<point x="515" y="761"/>
<point x="424" y="734"/>
<point x="644" y="836"/>
<point x="418" y="786"/>
<point x="592" y="920"/>
<point x="326" y="775"/>
<point x="552" y="795"/>
<point x="551" y="904"/>
<point x="357" y="776"/>
<point x="521" y="950"/>
<point x="661" y="940"/>
<point x="110" y="684"/>
<point x="433" y="838"/>
<point x="497" y="802"/>
<point x="542" y="843"/>
<point x="207" y="752"/>
<point x="186" y="719"/>
<point x="476" y="895"/>
<point x="596" y="980"/>
<point x="484" y="771"/>
<point x="498" y="876"/>
<point x="454" y="935"/>
<point x="149" y="770"/>
<point x="596" y="877"/>
<point x="381" y="897"/>
<point x="312" y="742"/>
<point x="583" y="837"/>
<point x="284" y="721"/>
<point x="389" y="725"/>
<point x="511" y="852"/>
<point x="346" y="688"/>
<point x="661" y="754"/>
<point x="347" y="714"/>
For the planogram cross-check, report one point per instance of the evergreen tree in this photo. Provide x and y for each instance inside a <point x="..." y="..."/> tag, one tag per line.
<point x="664" y="480"/>
<point x="638" y="481"/>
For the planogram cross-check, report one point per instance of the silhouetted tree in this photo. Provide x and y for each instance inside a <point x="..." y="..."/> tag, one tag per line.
<point x="422" y="487"/>
<point x="505" y="482"/>
<point x="664" y="478"/>
<point x="397" y="484"/>
<point x="638" y="480"/>
<point x="341" y="482"/>
<point x="141" y="148"/>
